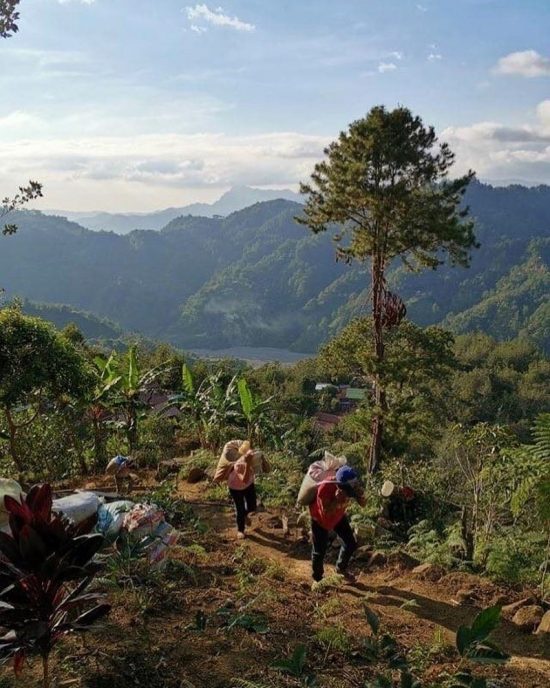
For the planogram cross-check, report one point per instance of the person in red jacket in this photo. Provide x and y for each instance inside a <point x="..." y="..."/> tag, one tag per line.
<point x="328" y="513"/>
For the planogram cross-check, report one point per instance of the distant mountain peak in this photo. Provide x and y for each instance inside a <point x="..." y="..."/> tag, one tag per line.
<point x="236" y="198"/>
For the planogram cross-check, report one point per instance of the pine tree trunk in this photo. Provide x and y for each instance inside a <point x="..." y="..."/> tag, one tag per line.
<point x="377" y="427"/>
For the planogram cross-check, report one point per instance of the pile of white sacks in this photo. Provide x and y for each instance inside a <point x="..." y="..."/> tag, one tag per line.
<point x="140" y="524"/>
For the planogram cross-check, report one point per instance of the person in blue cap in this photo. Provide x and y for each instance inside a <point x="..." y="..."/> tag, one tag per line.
<point x="328" y="513"/>
<point x="120" y="468"/>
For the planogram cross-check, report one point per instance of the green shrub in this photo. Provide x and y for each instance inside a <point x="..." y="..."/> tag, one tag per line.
<point x="279" y="488"/>
<point x="445" y="548"/>
<point x="514" y="557"/>
<point x="157" y="440"/>
<point x="202" y="458"/>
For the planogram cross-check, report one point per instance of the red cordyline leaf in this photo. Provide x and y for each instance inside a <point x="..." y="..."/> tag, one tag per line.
<point x="31" y="585"/>
<point x="77" y="592"/>
<point x="39" y="565"/>
<point x="32" y="546"/>
<point x="77" y="602"/>
<point x="39" y="501"/>
<point x="14" y="508"/>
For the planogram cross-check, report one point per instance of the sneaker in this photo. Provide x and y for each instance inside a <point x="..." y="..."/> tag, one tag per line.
<point x="348" y="576"/>
<point x="316" y="586"/>
<point x="240" y="536"/>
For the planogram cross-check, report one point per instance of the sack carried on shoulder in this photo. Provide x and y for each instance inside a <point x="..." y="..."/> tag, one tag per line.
<point x="230" y="454"/>
<point x="319" y="471"/>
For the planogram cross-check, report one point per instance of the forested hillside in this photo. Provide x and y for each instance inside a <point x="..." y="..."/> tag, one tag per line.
<point x="258" y="278"/>
<point x="91" y="327"/>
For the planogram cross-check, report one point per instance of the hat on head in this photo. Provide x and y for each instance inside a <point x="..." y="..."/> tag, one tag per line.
<point x="346" y="474"/>
<point x="347" y="479"/>
<point x="388" y="489"/>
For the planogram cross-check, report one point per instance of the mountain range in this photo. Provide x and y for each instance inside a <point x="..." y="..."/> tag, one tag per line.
<point x="257" y="278"/>
<point x="237" y="198"/>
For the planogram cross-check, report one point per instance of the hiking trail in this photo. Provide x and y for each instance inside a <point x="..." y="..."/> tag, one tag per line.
<point x="431" y="608"/>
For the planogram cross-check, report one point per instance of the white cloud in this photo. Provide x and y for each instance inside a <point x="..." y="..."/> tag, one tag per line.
<point x="216" y="17"/>
<point x="156" y="169"/>
<point x="82" y="2"/>
<point x="433" y="57"/>
<point x="543" y="114"/>
<point x="421" y="8"/>
<point x="19" y="120"/>
<point x="386" y="67"/>
<point x="396" y="54"/>
<point x="526" y="63"/>
<point x="497" y="151"/>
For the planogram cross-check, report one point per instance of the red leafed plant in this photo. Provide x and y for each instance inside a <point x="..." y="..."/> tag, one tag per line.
<point x="45" y="568"/>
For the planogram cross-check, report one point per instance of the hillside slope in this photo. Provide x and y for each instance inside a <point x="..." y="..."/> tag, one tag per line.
<point x="519" y="303"/>
<point x="92" y="327"/>
<point x="257" y="278"/>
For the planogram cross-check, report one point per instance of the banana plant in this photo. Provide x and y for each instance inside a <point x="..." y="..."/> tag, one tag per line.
<point x="219" y="408"/>
<point x="190" y="402"/>
<point x="128" y="391"/>
<point x="98" y="408"/>
<point x="258" y="414"/>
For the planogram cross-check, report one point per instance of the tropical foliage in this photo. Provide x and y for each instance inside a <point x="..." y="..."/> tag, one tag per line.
<point x="45" y="573"/>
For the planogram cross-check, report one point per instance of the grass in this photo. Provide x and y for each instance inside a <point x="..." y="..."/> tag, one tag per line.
<point x="327" y="582"/>
<point x="276" y="571"/>
<point x="216" y="492"/>
<point x="421" y="656"/>
<point x="196" y="553"/>
<point x="334" y="639"/>
<point x="251" y="571"/>
<point x="329" y="608"/>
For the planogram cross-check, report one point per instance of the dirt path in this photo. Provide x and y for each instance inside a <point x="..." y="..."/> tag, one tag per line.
<point x="387" y="589"/>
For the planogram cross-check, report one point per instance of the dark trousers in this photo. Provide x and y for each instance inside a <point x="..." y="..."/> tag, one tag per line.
<point x="320" y="544"/>
<point x="245" y="503"/>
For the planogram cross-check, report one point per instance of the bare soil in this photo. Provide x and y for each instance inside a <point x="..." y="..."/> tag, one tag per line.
<point x="151" y="640"/>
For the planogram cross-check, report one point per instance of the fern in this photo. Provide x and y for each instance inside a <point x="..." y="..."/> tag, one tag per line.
<point x="541" y="432"/>
<point x="536" y="461"/>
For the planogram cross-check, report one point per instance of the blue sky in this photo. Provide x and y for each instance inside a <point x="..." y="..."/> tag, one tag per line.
<point x="135" y="105"/>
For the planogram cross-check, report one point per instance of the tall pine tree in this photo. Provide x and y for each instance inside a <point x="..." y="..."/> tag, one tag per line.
<point x="385" y="184"/>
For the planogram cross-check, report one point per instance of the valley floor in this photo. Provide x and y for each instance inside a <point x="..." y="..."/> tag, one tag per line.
<point x="254" y="355"/>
